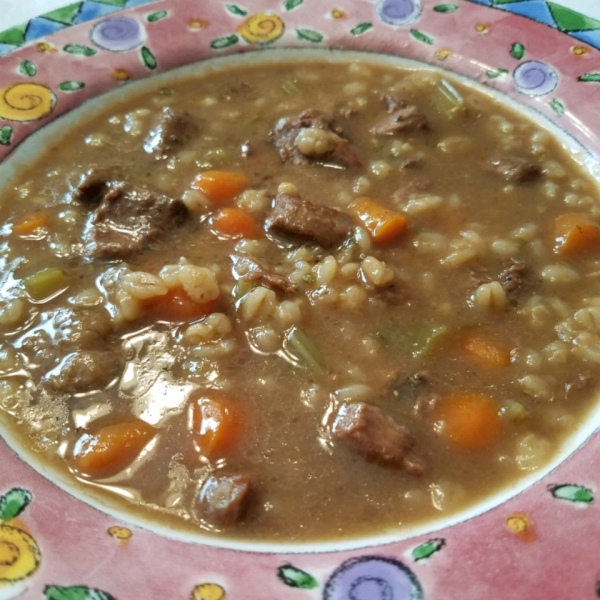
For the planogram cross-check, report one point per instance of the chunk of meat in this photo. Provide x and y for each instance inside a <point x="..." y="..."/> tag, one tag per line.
<point x="304" y="221"/>
<point x="376" y="436"/>
<point x="514" y="169"/>
<point x="247" y="269"/>
<point x="174" y="129"/>
<point x="403" y="116"/>
<point x="128" y="218"/>
<point x="84" y="371"/>
<point x="222" y="500"/>
<point x="513" y="278"/>
<point x="313" y="138"/>
<point x="94" y="184"/>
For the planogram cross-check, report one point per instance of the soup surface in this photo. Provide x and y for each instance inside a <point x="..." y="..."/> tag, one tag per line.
<point x="296" y="301"/>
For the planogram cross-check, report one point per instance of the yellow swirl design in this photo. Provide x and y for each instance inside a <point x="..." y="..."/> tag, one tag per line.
<point x="26" y="102"/>
<point x="208" y="591"/>
<point x="19" y="554"/>
<point x="262" y="28"/>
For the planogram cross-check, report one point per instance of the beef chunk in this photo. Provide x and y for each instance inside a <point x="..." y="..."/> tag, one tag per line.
<point x="513" y="278"/>
<point x="174" y="129"/>
<point x="222" y="500"/>
<point x="402" y="116"/>
<point x="514" y="169"/>
<point x="304" y="221"/>
<point x="247" y="269"/>
<point x="375" y="435"/>
<point x="84" y="371"/>
<point x="329" y="147"/>
<point x="128" y="218"/>
<point x="93" y="185"/>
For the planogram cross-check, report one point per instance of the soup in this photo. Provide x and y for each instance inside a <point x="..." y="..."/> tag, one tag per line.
<point x="300" y="301"/>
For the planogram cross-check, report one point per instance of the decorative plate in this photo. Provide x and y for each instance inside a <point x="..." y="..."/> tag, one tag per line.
<point x="539" y="543"/>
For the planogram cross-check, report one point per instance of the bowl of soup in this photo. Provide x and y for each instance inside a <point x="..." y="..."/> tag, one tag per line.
<point x="299" y="300"/>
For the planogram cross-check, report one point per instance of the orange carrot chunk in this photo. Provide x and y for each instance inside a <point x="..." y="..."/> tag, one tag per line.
<point x="470" y="420"/>
<point x="384" y="225"/>
<point x="111" y="448"/>
<point x="486" y="350"/>
<point x="176" y="305"/>
<point x="575" y="234"/>
<point x="235" y="223"/>
<point x="215" y="425"/>
<point x="221" y="186"/>
<point x="29" y="224"/>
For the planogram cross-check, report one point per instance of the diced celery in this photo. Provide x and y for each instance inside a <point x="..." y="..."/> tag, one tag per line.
<point x="291" y="88"/>
<point x="45" y="283"/>
<point x="302" y="349"/>
<point x="431" y="341"/>
<point x="418" y="338"/>
<point x="448" y="100"/>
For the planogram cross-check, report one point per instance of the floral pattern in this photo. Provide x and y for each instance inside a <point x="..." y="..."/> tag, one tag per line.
<point x="54" y="62"/>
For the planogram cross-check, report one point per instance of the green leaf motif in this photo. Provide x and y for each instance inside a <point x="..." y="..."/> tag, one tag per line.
<point x="71" y="86"/>
<point x="79" y="49"/>
<point x="517" y="51"/>
<point x="15" y="501"/>
<point x="445" y="8"/>
<point x="75" y="592"/>
<point x="292" y="4"/>
<point x="495" y="73"/>
<point x="238" y="11"/>
<point x="428" y="549"/>
<point x="557" y="106"/>
<point x="361" y="28"/>
<point x="296" y="578"/>
<point x="156" y="16"/>
<point x="5" y="135"/>
<point x="422" y="37"/>
<point x="592" y="76"/>
<point x="572" y="493"/>
<point x="148" y="58"/>
<point x="27" y="68"/>
<point x="309" y="35"/>
<point x="224" y="42"/>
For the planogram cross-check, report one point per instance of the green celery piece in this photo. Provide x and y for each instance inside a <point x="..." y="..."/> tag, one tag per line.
<point x="448" y="100"/>
<point x="432" y="342"/>
<point x="45" y="283"/>
<point x="303" y="350"/>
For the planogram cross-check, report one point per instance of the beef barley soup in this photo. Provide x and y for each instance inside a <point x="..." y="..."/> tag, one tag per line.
<point x="300" y="300"/>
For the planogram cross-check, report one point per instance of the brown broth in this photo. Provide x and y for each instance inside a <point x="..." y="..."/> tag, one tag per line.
<point x="463" y="228"/>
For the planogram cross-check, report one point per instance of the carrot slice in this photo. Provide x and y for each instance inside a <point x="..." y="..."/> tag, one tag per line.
<point x="470" y="420"/>
<point x="384" y="225"/>
<point x="220" y="186"/>
<point x="176" y="305"/>
<point x="575" y="234"/>
<point x="215" y="425"/>
<point x="235" y="223"/>
<point x="487" y="351"/>
<point x="29" y="224"/>
<point x="111" y="448"/>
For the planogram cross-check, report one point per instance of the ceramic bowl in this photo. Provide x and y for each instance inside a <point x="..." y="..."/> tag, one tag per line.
<point x="537" y="539"/>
